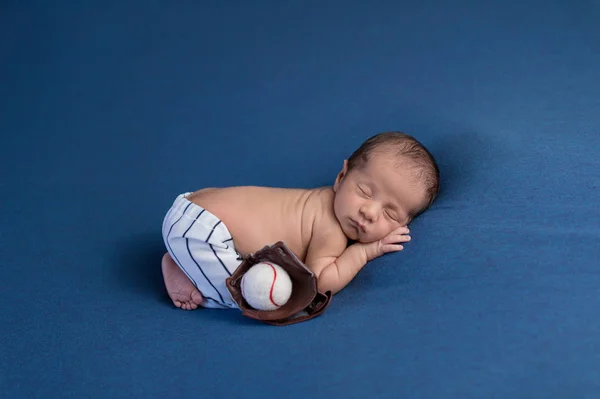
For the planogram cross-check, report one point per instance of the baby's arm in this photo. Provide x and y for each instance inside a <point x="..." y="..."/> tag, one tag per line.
<point x="336" y="265"/>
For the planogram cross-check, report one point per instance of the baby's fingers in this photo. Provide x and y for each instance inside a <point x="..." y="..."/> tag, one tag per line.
<point x="401" y="230"/>
<point x="395" y="238"/>
<point x="385" y="248"/>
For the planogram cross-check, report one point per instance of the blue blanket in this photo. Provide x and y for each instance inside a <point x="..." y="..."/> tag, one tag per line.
<point x="109" y="110"/>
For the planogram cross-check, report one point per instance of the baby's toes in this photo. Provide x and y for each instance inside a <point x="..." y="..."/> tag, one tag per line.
<point x="196" y="298"/>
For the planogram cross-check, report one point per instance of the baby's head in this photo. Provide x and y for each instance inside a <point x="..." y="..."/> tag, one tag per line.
<point x="388" y="181"/>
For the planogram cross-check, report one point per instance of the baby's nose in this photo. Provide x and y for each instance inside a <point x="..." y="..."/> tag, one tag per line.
<point x="370" y="213"/>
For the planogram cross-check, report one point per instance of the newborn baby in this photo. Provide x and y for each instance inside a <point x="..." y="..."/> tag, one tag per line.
<point x="389" y="180"/>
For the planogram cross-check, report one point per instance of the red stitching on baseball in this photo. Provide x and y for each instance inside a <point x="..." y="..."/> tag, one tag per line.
<point x="273" y="284"/>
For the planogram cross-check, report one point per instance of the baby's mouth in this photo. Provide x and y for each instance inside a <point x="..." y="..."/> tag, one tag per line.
<point x="357" y="226"/>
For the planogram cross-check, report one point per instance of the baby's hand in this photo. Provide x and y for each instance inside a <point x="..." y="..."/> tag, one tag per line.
<point x="389" y="243"/>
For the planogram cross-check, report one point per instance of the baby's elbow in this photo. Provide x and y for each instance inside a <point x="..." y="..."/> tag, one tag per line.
<point x="329" y="280"/>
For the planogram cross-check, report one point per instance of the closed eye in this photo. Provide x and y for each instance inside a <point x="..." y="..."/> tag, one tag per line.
<point x="363" y="191"/>
<point x="391" y="216"/>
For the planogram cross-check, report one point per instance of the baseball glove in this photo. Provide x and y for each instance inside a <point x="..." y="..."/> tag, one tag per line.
<point x="305" y="303"/>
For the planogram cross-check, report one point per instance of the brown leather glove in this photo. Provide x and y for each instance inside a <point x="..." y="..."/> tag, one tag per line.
<point x="305" y="303"/>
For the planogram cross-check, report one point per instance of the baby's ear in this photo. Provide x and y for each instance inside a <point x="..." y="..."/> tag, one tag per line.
<point x="341" y="175"/>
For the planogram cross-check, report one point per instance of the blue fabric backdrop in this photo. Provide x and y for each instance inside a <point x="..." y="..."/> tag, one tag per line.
<point x="108" y="110"/>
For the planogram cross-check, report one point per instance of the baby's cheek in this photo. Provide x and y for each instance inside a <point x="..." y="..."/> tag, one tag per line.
<point x="380" y="232"/>
<point x="390" y="227"/>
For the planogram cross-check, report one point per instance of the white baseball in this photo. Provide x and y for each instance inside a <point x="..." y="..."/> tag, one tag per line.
<point x="266" y="286"/>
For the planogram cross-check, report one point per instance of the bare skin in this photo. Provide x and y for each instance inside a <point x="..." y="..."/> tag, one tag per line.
<point x="371" y="205"/>
<point x="182" y="291"/>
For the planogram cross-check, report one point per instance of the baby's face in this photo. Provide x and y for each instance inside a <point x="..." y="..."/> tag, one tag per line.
<point x="373" y="200"/>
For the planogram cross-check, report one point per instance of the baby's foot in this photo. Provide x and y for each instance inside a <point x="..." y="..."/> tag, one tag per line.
<point x="182" y="291"/>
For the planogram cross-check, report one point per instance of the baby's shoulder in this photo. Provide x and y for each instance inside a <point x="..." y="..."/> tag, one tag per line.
<point x="319" y="202"/>
<point x="321" y="205"/>
<point x="327" y="236"/>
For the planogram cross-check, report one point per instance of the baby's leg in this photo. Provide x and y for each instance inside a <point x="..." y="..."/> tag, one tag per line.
<point x="182" y="291"/>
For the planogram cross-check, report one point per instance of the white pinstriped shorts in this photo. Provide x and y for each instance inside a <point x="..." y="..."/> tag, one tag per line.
<point x="203" y="248"/>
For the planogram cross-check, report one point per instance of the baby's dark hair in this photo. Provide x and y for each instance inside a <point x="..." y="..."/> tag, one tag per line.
<point x="407" y="147"/>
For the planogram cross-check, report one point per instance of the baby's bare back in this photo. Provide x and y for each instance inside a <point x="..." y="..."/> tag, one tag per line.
<point x="259" y="216"/>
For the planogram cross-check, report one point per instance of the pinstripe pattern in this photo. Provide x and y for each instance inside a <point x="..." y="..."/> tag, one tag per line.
<point x="187" y="245"/>
<point x="196" y="240"/>
<point x="173" y="254"/>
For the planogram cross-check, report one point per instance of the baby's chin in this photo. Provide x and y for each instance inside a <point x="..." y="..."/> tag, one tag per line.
<point x="369" y="239"/>
<point x="361" y="238"/>
<point x="353" y="235"/>
<point x="365" y="240"/>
